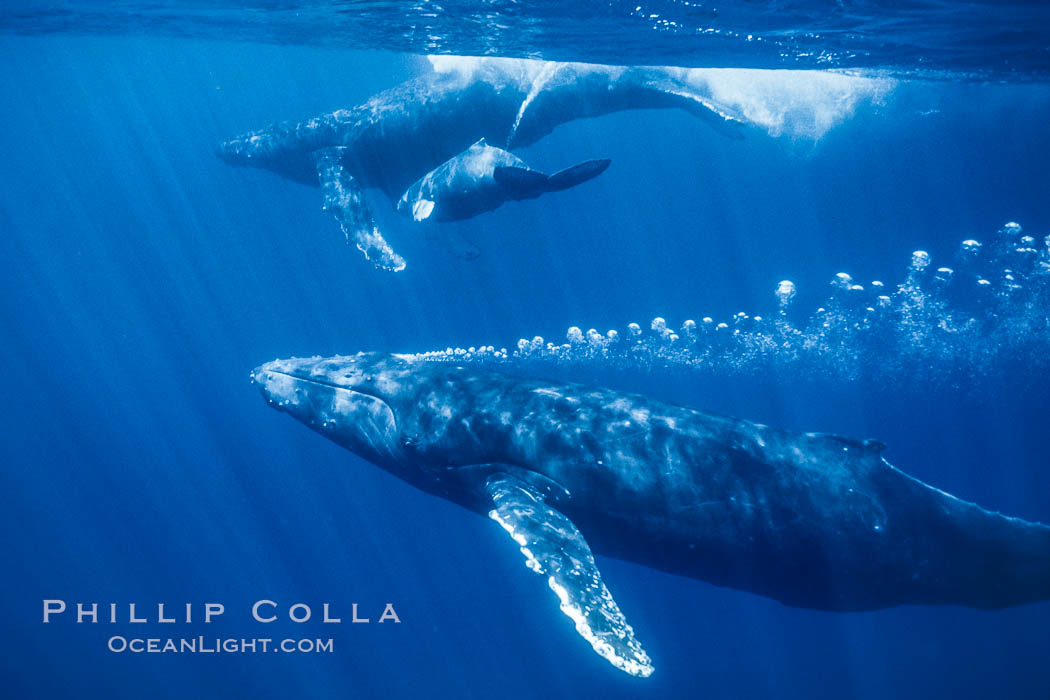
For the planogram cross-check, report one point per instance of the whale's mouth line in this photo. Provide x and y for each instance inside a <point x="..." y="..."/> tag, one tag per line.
<point x="331" y="385"/>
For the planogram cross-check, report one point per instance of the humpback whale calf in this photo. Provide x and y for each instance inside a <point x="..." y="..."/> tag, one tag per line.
<point x="481" y="179"/>
<point x="812" y="520"/>
<point x="397" y="136"/>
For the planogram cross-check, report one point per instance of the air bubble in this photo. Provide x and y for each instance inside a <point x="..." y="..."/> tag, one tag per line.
<point x="1012" y="229"/>
<point x="842" y="281"/>
<point x="920" y="260"/>
<point x="785" y="292"/>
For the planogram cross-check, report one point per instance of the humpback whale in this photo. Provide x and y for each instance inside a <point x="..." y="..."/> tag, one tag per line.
<point x="397" y="136"/>
<point x="812" y="520"/>
<point x="481" y="179"/>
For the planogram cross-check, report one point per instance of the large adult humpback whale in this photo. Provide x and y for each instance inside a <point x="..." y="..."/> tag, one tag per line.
<point x="813" y="520"/>
<point x="401" y="134"/>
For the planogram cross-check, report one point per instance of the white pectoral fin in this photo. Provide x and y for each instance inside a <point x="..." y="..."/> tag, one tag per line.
<point x="554" y="548"/>
<point x="344" y="198"/>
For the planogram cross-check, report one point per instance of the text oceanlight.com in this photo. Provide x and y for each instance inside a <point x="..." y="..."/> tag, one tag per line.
<point x="218" y="645"/>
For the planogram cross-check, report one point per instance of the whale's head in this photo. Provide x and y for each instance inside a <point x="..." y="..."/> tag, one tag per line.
<point x="247" y="150"/>
<point x="403" y="414"/>
<point x="358" y="401"/>
<point x="278" y="148"/>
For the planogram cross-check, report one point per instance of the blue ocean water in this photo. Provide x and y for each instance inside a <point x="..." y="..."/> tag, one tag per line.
<point x="143" y="278"/>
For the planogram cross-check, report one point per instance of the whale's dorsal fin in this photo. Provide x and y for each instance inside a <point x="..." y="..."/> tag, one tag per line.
<point x="554" y="548"/>
<point x="344" y="198"/>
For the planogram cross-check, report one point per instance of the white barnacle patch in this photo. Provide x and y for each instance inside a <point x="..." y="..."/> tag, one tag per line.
<point x="342" y="404"/>
<point x="439" y="406"/>
<point x="640" y="415"/>
<point x="282" y="388"/>
<point x="387" y="384"/>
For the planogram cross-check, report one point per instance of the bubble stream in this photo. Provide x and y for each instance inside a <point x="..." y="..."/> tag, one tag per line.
<point x="984" y="314"/>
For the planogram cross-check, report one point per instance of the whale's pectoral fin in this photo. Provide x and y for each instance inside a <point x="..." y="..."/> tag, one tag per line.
<point x="523" y="183"/>
<point x="520" y="183"/>
<point x="577" y="174"/>
<point x="345" y="199"/>
<point x="554" y="548"/>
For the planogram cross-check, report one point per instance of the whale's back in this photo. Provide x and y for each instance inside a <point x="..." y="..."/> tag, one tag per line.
<point x="813" y="520"/>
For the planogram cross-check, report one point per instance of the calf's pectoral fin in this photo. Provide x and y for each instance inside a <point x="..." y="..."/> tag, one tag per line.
<point x="554" y="548"/>
<point x="577" y="174"/>
<point x="520" y="183"/>
<point x="344" y="198"/>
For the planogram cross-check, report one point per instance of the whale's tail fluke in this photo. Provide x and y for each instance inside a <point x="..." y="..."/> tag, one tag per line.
<point x="529" y="184"/>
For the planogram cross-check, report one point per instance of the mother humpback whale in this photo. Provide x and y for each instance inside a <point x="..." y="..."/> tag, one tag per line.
<point x="403" y="133"/>
<point x="812" y="520"/>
